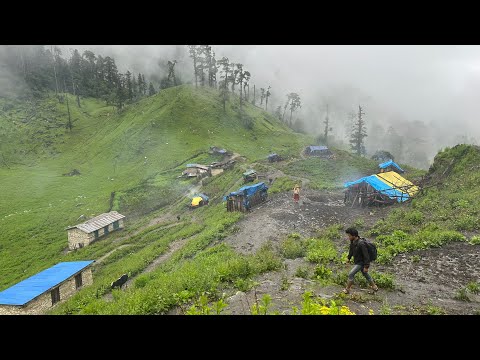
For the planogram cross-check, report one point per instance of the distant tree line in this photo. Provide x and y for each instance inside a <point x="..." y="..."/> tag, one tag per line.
<point x="88" y="75"/>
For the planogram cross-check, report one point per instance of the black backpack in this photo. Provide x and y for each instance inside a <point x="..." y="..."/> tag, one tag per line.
<point x="372" y="249"/>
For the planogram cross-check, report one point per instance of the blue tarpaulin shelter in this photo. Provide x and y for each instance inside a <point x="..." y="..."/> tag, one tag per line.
<point x="249" y="195"/>
<point x="390" y="163"/>
<point x="382" y="187"/>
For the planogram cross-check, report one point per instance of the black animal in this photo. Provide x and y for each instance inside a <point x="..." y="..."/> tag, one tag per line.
<point x="178" y="217"/>
<point x="119" y="282"/>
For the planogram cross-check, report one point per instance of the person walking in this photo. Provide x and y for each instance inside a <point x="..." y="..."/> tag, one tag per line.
<point x="358" y="250"/>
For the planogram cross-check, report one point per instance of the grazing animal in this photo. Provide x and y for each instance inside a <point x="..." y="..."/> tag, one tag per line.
<point x="178" y="217"/>
<point x="119" y="282"/>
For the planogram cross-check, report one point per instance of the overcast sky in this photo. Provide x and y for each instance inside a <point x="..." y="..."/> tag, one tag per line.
<point x="436" y="84"/>
<point x="421" y="81"/>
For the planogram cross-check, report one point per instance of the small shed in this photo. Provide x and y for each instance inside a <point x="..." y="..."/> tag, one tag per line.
<point x="218" y="151"/>
<point x="197" y="170"/>
<point x="83" y="234"/>
<point x="390" y="165"/>
<point x="250" y="175"/>
<point x="42" y="291"/>
<point x="274" y="157"/>
<point x="321" y="151"/>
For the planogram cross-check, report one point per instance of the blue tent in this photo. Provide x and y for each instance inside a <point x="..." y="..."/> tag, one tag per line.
<point x="390" y="163"/>
<point x="382" y="187"/>
<point x="317" y="148"/>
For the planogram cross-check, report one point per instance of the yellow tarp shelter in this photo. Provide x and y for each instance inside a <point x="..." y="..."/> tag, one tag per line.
<point x="397" y="181"/>
<point x="196" y="201"/>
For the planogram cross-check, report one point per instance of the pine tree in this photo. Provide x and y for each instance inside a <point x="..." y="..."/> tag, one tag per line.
<point x="151" y="90"/>
<point x="358" y="134"/>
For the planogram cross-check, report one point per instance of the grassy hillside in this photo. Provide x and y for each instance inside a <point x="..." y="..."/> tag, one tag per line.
<point x="130" y="161"/>
<point x="137" y="154"/>
<point x="446" y="210"/>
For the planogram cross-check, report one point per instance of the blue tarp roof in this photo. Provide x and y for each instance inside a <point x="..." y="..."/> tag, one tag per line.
<point x="388" y="163"/>
<point x="381" y="187"/>
<point x="251" y="189"/>
<point x="203" y="196"/>
<point x="28" y="289"/>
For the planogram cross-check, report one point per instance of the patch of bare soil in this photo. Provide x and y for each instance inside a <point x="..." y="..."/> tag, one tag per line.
<point x="280" y="216"/>
<point x="434" y="277"/>
<point x="426" y="281"/>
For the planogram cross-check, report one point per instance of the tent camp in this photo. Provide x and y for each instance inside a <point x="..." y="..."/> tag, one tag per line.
<point x="384" y="188"/>
<point x="321" y="151"/>
<point x="199" y="200"/>
<point x="246" y="197"/>
<point x="274" y="157"/>
<point x="390" y="165"/>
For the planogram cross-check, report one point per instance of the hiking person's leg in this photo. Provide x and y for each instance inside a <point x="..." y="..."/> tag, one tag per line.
<point x="351" y="275"/>
<point x="370" y="280"/>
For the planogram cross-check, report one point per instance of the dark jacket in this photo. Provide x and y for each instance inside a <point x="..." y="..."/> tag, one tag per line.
<point x="359" y="251"/>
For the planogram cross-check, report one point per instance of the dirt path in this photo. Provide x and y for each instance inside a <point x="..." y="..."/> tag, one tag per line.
<point x="280" y="216"/>
<point x="174" y="246"/>
<point x="426" y="281"/>
<point x="110" y="253"/>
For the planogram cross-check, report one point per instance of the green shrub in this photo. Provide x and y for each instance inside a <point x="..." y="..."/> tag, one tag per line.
<point x="321" y="251"/>
<point x="302" y="272"/>
<point x="292" y="248"/>
<point x="473" y="287"/>
<point x="322" y="272"/>
<point x="475" y="240"/>
<point x="414" y="217"/>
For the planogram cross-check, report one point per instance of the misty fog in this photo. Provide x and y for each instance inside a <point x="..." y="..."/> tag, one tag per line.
<point x="425" y="94"/>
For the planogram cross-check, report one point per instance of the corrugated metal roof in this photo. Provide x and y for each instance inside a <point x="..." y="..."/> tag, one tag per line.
<point x="35" y="285"/>
<point x="317" y="148"/>
<point x="98" y="222"/>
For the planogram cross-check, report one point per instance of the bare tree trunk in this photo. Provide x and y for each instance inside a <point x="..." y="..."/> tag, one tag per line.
<point x="78" y="99"/>
<point x="54" y="70"/>
<point x="69" y="124"/>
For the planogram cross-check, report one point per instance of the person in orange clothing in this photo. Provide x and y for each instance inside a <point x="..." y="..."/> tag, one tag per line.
<point x="296" y="193"/>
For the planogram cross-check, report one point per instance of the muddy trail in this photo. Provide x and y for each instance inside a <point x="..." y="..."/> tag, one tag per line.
<point x="280" y="216"/>
<point x="426" y="281"/>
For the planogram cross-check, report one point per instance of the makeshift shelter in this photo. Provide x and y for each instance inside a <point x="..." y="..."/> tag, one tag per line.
<point x="219" y="151"/>
<point x="250" y="175"/>
<point x="197" y="170"/>
<point x="321" y="151"/>
<point x="380" y="189"/>
<point x="274" y="157"/>
<point x="246" y="197"/>
<point x="390" y="165"/>
<point x="199" y="200"/>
